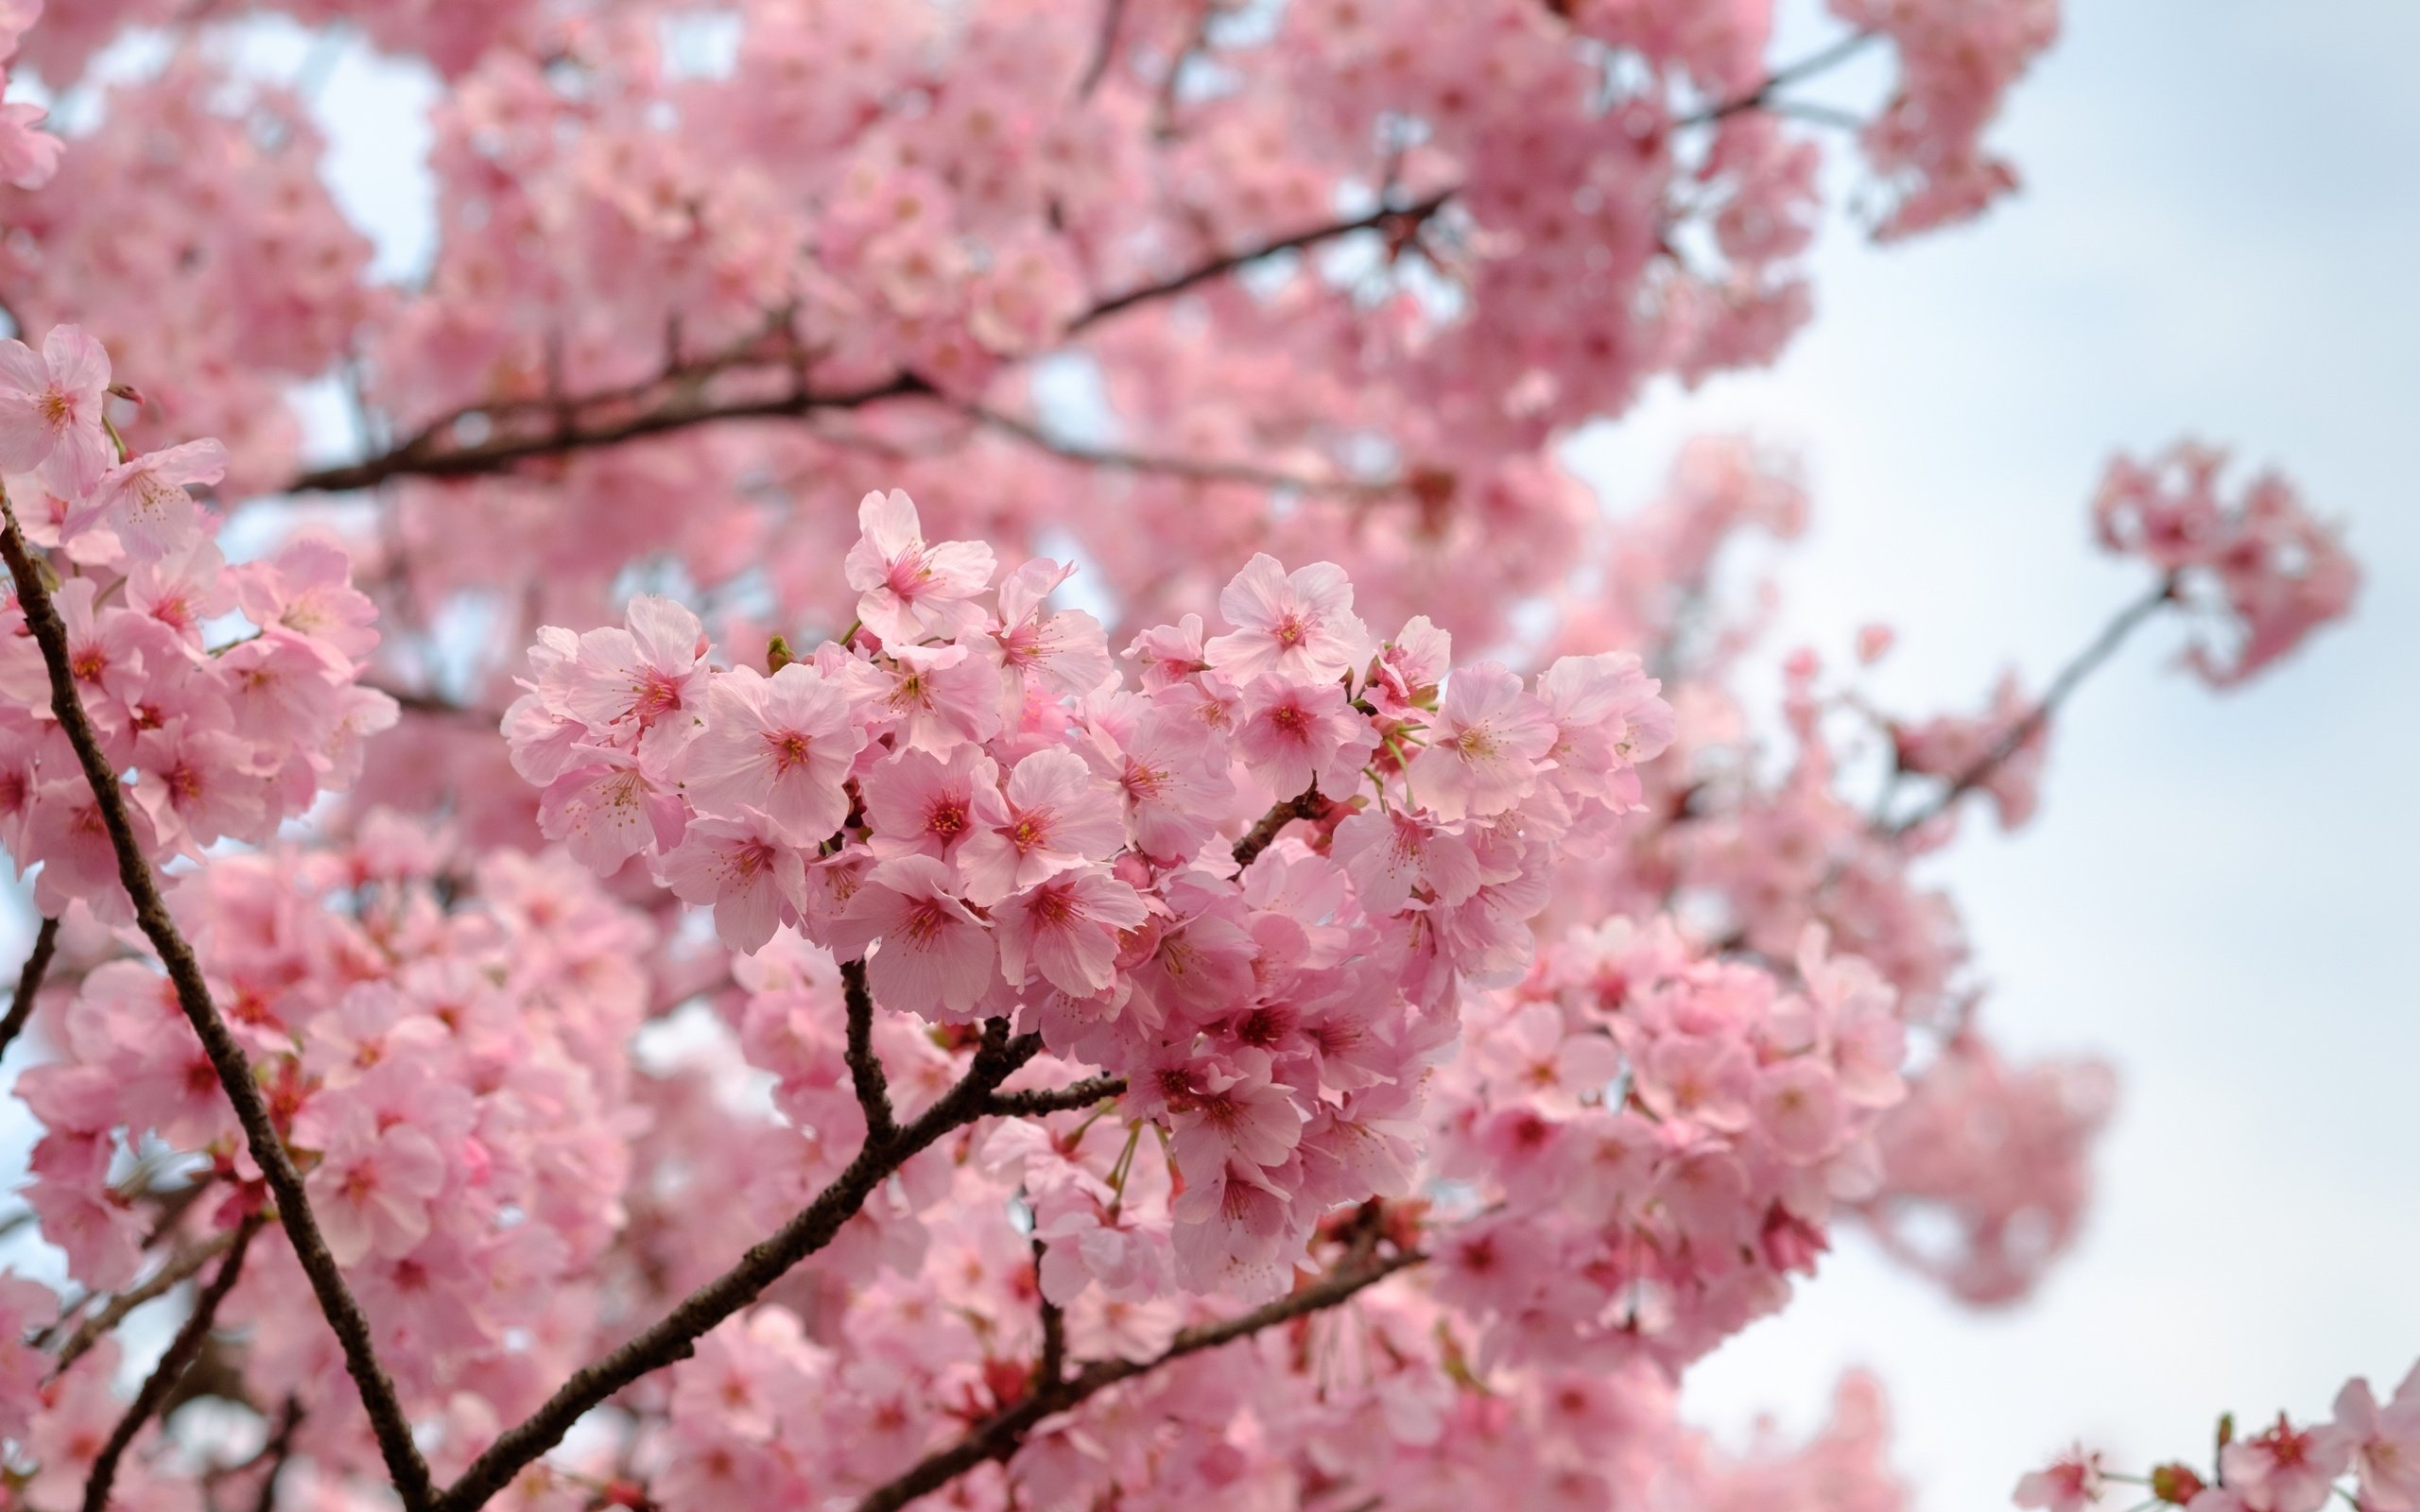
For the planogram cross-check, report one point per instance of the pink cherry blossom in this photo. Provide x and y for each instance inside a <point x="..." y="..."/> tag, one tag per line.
<point x="372" y="1186"/>
<point x="1300" y="626"/>
<point x="907" y="589"/>
<point x="1062" y="651"/>
<point x="919" y="804"/>
<point x="1067" y="928"/>
<point x="1293" y="737"/>
<point x="1390" y="853"/>
<point x="1539" y="1057"/>
<point x="24" y="1305"/>
<point x="2285" y="1468"/>
<point x="1482" y="753"/>
<point x="144" y="498"/>
<point x="51" y="405"/>
<point x="931" y="955"/>
<point x="1050" y="816"/>
<point x="641" y="684"/>
<point x="782" y="744"/>
<point x="747" y="867"/>
<point x="2070" y="1483"/>
<point x="2386" y="1442"/>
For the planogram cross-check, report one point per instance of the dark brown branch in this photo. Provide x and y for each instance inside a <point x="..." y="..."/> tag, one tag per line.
<point x="425" y="456"/>
<point x="181" y="1350"/>
<point x="674" y="1336"/>
<point x="21" y="1007"/>
<point x="387" y="1419"/>
<point x="181" y="1266"/>
<point x="999" y="1435"/>
<point x="1054" y="1099"/>
<point x="865" y="1067"/>
<point x="1052" y="1368"/>
<point x="1307" y="804"/>
<point x="2062" y="686"/>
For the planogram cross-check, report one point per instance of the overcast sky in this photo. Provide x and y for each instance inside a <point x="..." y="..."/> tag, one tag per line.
<point x="2216" y="237"/>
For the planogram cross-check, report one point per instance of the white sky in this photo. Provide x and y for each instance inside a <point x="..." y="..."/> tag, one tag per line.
<point x="2216" y="237"/>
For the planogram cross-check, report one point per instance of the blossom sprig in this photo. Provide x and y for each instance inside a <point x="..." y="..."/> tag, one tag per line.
<point x="223" y="739"/>
<point x="2284" y="1467"/>
<point x="2259" y="573"/>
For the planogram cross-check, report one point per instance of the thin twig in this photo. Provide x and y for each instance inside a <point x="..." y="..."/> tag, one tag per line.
<point x="21" y="1007"/>
<point x="387" y="1419"/>
<point x="2062" y="686"/>
<point x="1197" y="469"/>
<point x="674" y="1336"/>
<point x="179" y="1268"/>
<point x="1783" y="78"/>
<point x="999" y="1435"/>
<point x="1393" y="220"/>
<point x="173" y="1364"/>
<point x="277" y="1451"/>
<point x="1104" y="51"/>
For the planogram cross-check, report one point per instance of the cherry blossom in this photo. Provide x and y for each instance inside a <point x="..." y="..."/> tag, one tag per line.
<point x="51" y="410"/>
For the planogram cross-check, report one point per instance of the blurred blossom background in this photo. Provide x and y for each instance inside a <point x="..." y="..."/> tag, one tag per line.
<point x="2220" y="212"/>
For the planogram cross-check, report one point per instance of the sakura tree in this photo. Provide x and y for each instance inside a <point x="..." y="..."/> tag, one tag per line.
<point x="953" y="806"/>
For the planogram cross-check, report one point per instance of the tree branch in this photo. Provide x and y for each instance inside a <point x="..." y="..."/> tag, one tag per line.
<point x="173" y="1364"/>
<point x="387" y="1419"/>
<point x="426" y="456"/>
<point x="562" y="427"/>
<point x="1396" y="222"/>
<point x="1307" y="804"/>
<point x="1782" y="78"/>
<point x="999" y="1435"/>
<point x="674" y="1336"/>
<point x="1104" y="51"/>
<point x="2062" y="686"/>
<point x="1053" y="1099"/>
<point x="865" y="1067"/>
<point x="167" y="1278"/>
<point x="277" y="1451"/>
<point x="21" y="1007"/>
<point x="1051" y="1368"/>
<point x="1196" y="469"/>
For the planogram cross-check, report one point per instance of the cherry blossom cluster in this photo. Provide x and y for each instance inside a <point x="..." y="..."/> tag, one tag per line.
<point x="2261" y="572"/>
<point x="222" y="314"/>
<point x="1999" y="1156"/>
<point x="2284" y="1467"/>
<point x="965" y="794"/>
<point x="1957" y="60"/>
<point x="445" y="1039"/>
<point x="225" y="732"/>
<point x="1655" y="1142"/>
